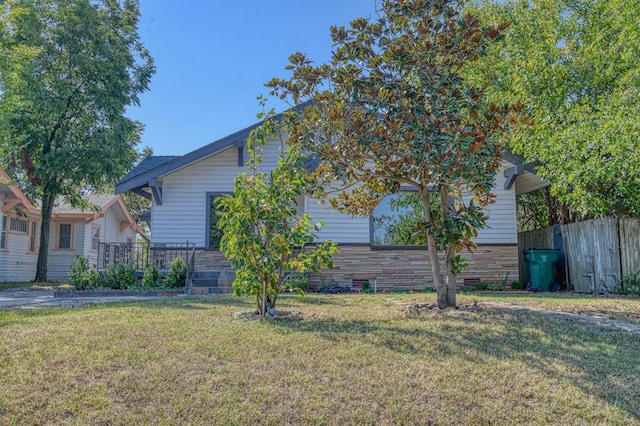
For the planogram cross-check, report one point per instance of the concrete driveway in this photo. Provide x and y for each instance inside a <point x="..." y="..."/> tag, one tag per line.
<point x="33" y="299"/>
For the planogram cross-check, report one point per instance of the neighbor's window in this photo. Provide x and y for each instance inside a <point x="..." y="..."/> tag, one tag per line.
<point x="32" y="236"/>
<point x="95" y="237"/>
<point x="3" y="233"/>
<point x="19" y="225"/>
<point x="395" y="220"/>
<point x="65" y="232"/>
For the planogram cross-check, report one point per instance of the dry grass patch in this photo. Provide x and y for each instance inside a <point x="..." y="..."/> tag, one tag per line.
<point x="354" y="359"/>
<point x="621" y="308"/>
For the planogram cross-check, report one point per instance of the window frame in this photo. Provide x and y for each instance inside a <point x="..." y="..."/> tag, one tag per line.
<point x="93" y="238"/>
<point x="4" y="233"/>
<point x="32" y="245"/>
<point x="403" y="190"/>
<point x="17" y="220"/>
<point x="209" y="199"/>
<point x="71" y="235"/>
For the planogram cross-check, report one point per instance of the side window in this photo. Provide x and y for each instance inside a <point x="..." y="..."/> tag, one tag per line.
<point x="33" y="233"/>
<point x="3" y="233"/>
<point x="65" y="236"/>
<point x="95" y="237"/>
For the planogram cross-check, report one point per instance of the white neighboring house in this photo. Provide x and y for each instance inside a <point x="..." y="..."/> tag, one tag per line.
<point x="73" y="232"/>
<point x="183" y="190"/>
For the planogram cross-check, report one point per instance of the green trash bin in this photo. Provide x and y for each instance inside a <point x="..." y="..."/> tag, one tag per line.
<point x="540" y="266"/>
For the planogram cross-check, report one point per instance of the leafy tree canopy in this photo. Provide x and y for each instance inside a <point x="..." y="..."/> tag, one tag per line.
<point x="576" y="65"/>
<point x="264" y="234"/>
<point x="391" y="108"/>
<point x="68" y="70"/>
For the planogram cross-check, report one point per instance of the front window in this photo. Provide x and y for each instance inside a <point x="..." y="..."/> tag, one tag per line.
<point x="395" y="220"/>
<point x="32" y="236"/>
<point x="65" y="232"/>
<point x="19" y="225"/>
<point x="3" y="233"/>
<point x="95" y="237"/>
<point x="214" y="233"/>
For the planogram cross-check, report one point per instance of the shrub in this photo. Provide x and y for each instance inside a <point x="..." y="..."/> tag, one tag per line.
<point x="177" y="273"/>
<point x="119" y="276"/>
<point x="481" y="285"/>
<point x="82" y="276"/>
<point x="298" y="283"/>
<point x="630" y="284"/>
<point x="495" y="287"/>
<point x="151" y="276"/>
<point x="517" y="285"/>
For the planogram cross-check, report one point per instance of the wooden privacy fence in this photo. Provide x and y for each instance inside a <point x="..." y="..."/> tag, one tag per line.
<point x="594" y="255"/>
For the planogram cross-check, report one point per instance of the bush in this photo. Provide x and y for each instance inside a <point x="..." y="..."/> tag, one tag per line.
<point x="297" y="283"/>
<point x="630" y="284"/>
<point x="82" y="276"/>
<point x="517" y="285"/>
<point x="481" y="285"/>
<point x="177" y="273"/>
<point x="151" y="276"/>
<point x="119" y="276"/>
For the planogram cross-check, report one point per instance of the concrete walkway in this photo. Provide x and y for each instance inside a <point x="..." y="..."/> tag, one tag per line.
<point x="33" y="299"/>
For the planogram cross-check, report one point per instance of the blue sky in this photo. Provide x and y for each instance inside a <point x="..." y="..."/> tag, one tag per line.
<point x="213" y="58"/>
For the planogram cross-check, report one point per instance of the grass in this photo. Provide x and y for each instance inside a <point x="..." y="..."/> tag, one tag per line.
<point x="355" y="359"/>
<point x="35" y="286"/>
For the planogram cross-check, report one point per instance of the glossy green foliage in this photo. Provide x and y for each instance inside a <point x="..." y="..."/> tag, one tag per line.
<point x="265" y="235"/>
<point x="392" y="109"/>
<point x="177" y="273"/>
<point x="576" y="64"/>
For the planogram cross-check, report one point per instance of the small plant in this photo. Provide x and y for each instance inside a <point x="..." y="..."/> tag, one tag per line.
<point x="82" y="276"/>
<point x="481" y="285"/>
<point x="177" y="273"/>
<point x="326" y="283"/>
<point x="119" y="276"/>
<point x="517" y="285"/>
<point x="467" y="288"/>
<point x="630" y="284"/>
<point x="296" y="283"/>
<point x="151" y="276"/>
<point x="366" y="287"/>
<point x="495" y="287"/>
<point x="429" y="290"/>
<point x="504" y="280"/>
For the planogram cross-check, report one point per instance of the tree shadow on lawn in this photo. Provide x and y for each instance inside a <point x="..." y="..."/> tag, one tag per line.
<point x="601" y="361"/>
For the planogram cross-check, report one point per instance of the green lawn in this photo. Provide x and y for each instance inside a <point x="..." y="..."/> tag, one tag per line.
<point x="35" y="286"/>
<point x="354" y="359"/>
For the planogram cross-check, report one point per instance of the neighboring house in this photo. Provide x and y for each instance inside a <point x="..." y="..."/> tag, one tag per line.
<point x="73" y="232"/>
<point x="183" y="190"/>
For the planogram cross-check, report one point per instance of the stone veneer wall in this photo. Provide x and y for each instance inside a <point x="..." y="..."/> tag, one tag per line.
<point x="212" y="260"/>
<point x="409" y="269"/>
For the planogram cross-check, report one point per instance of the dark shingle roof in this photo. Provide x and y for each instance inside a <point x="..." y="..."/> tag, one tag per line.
<point x="147" y="164"/>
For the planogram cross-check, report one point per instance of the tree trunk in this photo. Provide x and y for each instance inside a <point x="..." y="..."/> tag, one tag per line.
<point x="43" y="250"/>
<point x="445" y="286"/>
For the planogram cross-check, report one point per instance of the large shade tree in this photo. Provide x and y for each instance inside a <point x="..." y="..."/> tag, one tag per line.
<point x="68" y="71"/>
<point x="576" y="65"/>
<point x="391" y="110"/>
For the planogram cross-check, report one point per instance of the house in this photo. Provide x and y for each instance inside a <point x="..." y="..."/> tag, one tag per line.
<point x="73" y="231"/>
<point x="183" y="190"/>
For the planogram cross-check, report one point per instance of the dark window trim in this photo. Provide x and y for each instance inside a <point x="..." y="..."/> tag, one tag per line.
<point x="403" y="189"/>
<point x="209" y="196"/>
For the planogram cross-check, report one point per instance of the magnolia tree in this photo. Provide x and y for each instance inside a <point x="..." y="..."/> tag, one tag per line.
<point x="264" y="235"/>
<point x="391" y="111"/>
